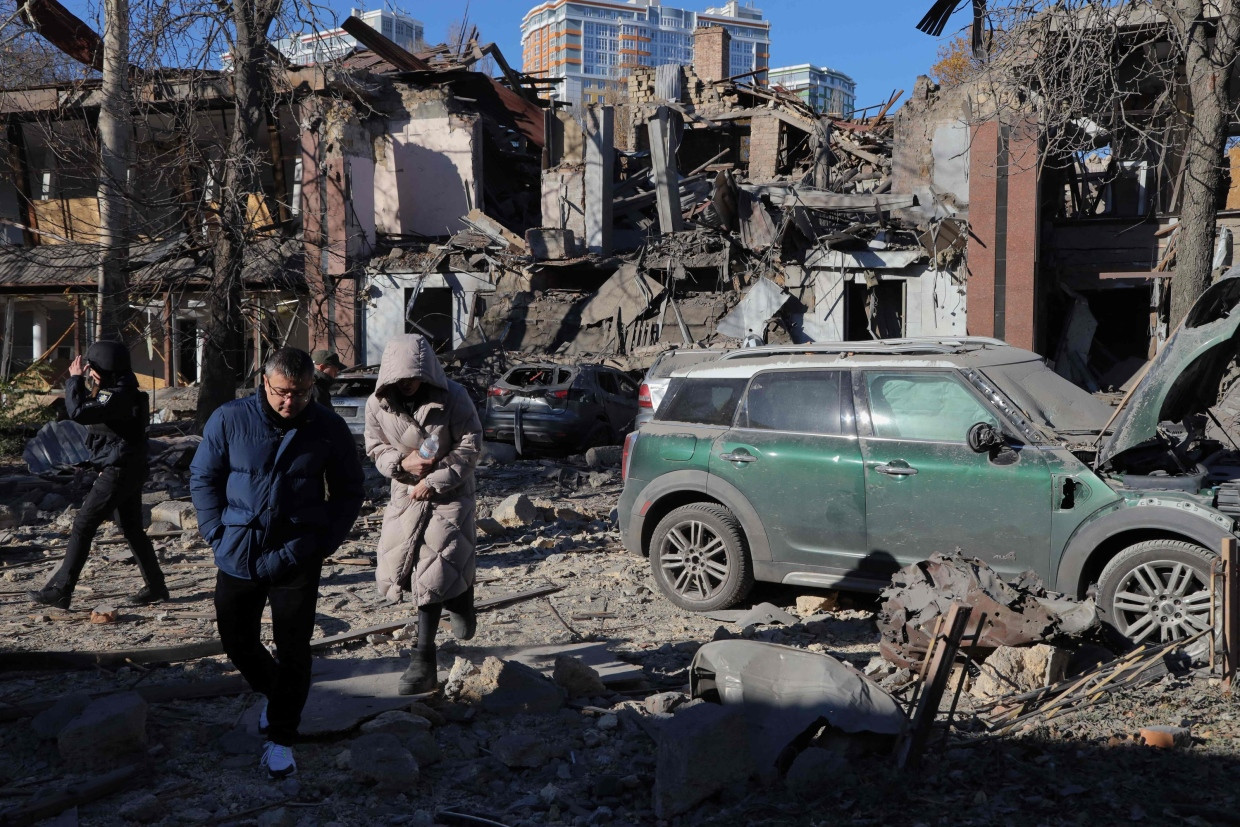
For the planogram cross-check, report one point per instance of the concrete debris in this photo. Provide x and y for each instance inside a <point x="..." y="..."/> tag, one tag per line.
<point x="760" y="304"/>
<point x="703" y="749"/>
<point x="1003" y="614"/>
<point x="515" y="512"/>
<point x="577" y="679"/>
<point x="510" y="688"/>
<point x="1011" y="669"/>
<point x="381" y="760"/>
<point x="107" y="729"/>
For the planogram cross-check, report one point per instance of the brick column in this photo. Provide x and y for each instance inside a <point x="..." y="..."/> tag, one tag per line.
<point x="1003" y="232"/>
<point x="712" y="52"/>
<point x="763" y="147"/>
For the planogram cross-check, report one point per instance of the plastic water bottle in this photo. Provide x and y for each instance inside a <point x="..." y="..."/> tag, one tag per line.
<point x="429" y="447"/>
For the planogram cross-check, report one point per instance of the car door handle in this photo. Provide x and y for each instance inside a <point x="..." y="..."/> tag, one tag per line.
<point x="741" y="457"/>
<point x="892" y="470"/>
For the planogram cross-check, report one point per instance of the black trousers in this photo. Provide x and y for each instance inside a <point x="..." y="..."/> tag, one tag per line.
<point x="117" y="492"/>
<point x="284" y="679"/>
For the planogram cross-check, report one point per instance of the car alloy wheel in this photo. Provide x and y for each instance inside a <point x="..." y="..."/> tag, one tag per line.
<point x="1157" y="591"/>
<point x="698" y="558"/>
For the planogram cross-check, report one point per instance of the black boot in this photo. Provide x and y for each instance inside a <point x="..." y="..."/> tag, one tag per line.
<point x="50" y="596"/>
<point x="148" y="595"/>
<point x="421" y="676"/>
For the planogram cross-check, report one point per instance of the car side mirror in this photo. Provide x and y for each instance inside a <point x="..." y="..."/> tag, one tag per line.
<point x="984" y="438"/>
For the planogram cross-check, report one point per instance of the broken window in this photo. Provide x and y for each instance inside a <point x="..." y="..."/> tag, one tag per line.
<point x="923" y="406"/>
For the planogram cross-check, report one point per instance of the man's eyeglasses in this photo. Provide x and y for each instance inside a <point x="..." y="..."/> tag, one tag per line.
<point x="294" y="394"/>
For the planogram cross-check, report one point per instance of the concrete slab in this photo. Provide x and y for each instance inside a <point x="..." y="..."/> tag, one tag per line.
<point x="344" y="693"/>
<point x="595" y="655"/>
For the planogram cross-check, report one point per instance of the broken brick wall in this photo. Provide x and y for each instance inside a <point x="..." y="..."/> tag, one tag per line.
<point x="763" y="147"/>
<point x="712" y="49"/>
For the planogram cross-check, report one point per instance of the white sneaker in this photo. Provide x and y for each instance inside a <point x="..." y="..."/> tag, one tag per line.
<point x="262" y="719"/>
<point x="278" y="759"/>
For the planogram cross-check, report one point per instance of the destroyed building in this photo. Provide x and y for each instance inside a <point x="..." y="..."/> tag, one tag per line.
<point x="1071" y="241"/>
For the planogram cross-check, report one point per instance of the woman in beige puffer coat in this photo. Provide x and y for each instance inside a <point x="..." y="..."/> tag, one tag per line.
<point x="426" y="547"/>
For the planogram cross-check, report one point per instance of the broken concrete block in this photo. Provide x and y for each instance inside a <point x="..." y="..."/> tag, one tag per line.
<point x="703" y="749"/>
<point x="498" y="453"/>
<point x="604" y="456"/>
<point x="568" y="515"/>
<point x="520" y="749"/>
<point x="7" y="518"/>
<point x="600" y="479"/>
<point x="515" y="512"/>
<point x="380" y="759"/>
<point x="397" y="722"/>
<point x="511" y="688"/>
<point x="809" y="605"/>
<point x="424" y="748"/>
<point x="577" y="679"/>
<point x="103" y="614"/>
<point x="49" y="722"/>
<point x="491" y="527"/>
<point x="663" y="703"/>
<point x="182" y="515"/>
<point x="111" y="726"/>
<point x="552" y="243"/>
<point x="1012" y="669"/>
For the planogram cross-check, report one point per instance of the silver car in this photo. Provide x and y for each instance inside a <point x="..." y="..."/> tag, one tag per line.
<point x="654" y="383"/>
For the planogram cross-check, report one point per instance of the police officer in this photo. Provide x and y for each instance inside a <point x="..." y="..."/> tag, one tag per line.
<point x="327" y="367"/>
<point x="115" y="417"/>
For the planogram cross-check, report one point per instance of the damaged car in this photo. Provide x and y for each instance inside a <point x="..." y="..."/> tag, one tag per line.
<point x="565" y="407"/>
<point x="832" y="466"/>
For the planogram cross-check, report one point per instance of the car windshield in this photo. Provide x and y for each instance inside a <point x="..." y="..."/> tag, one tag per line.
<point x="1048" y="399"/>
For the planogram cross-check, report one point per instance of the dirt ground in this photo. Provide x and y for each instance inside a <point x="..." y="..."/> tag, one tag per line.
<point x="593" y="762"/>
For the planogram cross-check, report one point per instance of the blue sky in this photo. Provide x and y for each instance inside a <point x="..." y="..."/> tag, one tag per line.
<point x="872" y="41"/>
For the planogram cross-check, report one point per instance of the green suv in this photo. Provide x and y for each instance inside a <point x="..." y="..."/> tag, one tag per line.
<point x="835" y="465"/>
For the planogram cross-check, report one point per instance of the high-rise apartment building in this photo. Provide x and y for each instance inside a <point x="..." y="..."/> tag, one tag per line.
<point x="829" y="92"/>
<point x="593" y="44"/>
<point x="323" y="46"/>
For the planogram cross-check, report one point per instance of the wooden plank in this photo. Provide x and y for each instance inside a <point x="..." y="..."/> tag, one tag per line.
<point x="1136" y="274"/>
<point x="1231" y="610"/>
<point x="939" y="669"/>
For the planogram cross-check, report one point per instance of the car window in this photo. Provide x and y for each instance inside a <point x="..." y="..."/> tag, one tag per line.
<point x="353" y="386"/>
<point x="929" y="406"/>
<point x="805" y="401"/>
<point x="608" y="383"/>
<point x="704" y="401"/>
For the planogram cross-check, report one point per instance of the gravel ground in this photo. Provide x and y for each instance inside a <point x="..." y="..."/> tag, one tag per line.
<point x="593" y="762"/>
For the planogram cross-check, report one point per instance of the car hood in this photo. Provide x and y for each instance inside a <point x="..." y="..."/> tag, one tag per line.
<point x="1184" y="377"/>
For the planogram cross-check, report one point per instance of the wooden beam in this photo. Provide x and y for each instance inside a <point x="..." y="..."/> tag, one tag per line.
<point x="938" y="670"/>
<point x="665" y="176"/>
<point x="1231" y="610"/>
<point x="383" y="47"/>
<point x="807" y="197"/>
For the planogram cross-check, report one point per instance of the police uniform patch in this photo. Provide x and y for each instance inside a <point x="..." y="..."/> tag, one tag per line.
<point x="103" y="397"/>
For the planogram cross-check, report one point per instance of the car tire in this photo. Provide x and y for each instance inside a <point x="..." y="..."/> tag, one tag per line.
<point x="698" y="558"/>
<point x="600" y="434"/>
<point x="1157" y="591"/>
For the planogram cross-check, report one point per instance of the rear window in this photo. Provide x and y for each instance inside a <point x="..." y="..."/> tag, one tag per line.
<point x="675" y="360"/>
<point x="538" y="377"/>
<point x="704" y="401"/>
<point x="353" y="387"/>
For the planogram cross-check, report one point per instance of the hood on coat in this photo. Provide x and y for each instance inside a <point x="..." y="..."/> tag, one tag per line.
<point x="409" y="356"/>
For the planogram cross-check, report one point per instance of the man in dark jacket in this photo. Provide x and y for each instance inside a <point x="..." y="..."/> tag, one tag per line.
<point x="277" y="485"/>
<point x="115" y="418"/>
<point x="327" y="367"/>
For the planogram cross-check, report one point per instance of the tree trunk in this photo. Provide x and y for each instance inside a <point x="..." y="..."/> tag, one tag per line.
<point x="223" y="358"/>
<point x="1208" y="68"/>
<point x="114" y="128"/>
